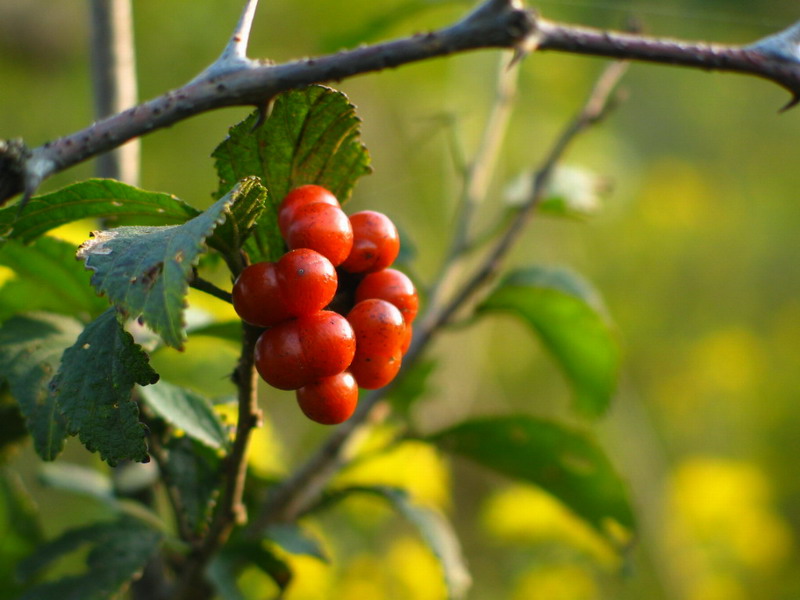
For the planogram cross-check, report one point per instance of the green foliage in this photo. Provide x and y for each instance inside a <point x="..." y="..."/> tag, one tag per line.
<point x="104" y="198"/>
<point x="570" y="320"/>
<point x="145" y="271"/>
<point x="93" y="390"/>
<point x="566" y="463"/>
<point x="19" y="523"/>
<point x="224" y="568"/>
<point x="194" y="470"/>
<point x="118" y="552"/>
<point x="311" y="136"/>
<point x="189" y="412"/>
<point x="293" y="539"/>
<point x="47" y="277"/>
<point x="13" y="428"/>
<point x="435" y="530"/>
<point x="30" y="350"/>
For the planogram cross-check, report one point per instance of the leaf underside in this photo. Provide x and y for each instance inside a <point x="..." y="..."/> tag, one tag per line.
<point x="145" y="271"/>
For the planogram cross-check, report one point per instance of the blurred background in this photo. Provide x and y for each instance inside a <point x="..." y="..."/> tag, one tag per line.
<point x="695" y="250"/>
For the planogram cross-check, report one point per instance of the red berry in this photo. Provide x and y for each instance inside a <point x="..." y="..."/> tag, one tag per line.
<point x="379" y="327"/>
<point x="279" y="357"/>
<point x="380" y="334"/>
<point x="407" y="340"/>
<point x="329" y="342"/>
<point x="376" y="242"/>
<point x="323" y="228"/>
<point x="393" y="286"/>
<point x="330" y="400"/>
<point x="256" y="295"/>
<point x="296" y="352"/>
<point x="305" y="194"/>
<point x="307" y="281"/>
<point x="373" y="371"/>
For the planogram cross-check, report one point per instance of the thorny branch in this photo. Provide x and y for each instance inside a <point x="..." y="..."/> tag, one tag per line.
<point x="235" y="80"/>
<point x="297" y="493"/>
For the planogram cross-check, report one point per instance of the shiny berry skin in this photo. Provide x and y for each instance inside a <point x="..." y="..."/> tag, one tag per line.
<point x="305" y="194"/>
<point x="330" y="400"/>
<point x="393" y="286"/>
<point x="373" y="371"/>
<point x="378" y="325"/>
<point x="323" y="228"/>
<point x="279" y="357"/>
<point x="406" y="344"/>
<point x="256" y="295"/>
<point x="329" y="342"/>
<point x="376" y="242"/>
<point x="307" y="281"/>
<point x="380" y="335"/>
<point x="297" y="352"/>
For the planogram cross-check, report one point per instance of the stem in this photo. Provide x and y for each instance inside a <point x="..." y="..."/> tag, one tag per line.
<point x="295" y="494"/>
<point x="230" y="510"/>
<point x="203" y="285"/>
<point x="114" y="81"/>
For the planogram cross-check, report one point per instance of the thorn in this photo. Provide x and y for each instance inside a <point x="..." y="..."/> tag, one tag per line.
<point x="264" y="111"/>
<point x="792" y="103"/>
<point x="529" y="44"/>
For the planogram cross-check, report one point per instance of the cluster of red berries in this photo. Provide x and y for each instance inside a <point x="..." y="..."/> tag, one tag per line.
<point x="335" y="266"/>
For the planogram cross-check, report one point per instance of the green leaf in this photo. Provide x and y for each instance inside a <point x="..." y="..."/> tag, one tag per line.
<point x="231" y="235"/>
<point x="570" y="320"/>
<point x="311" y="136"/>
<point x="47" y="278"/>
<point x="411" y="386"/>
<point x="294" y="540"/>
<point x="188" y="411"/>
<point x="30" y="350"/>
<point x="119" y="551"/>
<point x="93" y="484"/>
<point x="12" y="424"/>
<point x="93" y="390"/>
<point x="435" y="530"/>
<point x="195" y="472"/>
<point x="146" y="270"/>
<point x="91" y="198"/>
<point x="252" y="552"/>
<point x="565" y="463"/>
<point x="21" y="531"/>
<point x="78" y="480"/>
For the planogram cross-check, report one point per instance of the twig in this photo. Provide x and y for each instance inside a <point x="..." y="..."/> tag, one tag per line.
<point x="230" y="511"/>
<point x="477" y="177"/>
<point x="295" y="494"/>
<point x="203" y="285"/>
<point x="235" y="82"/>
<point x="114" y="81"/>
<point x="776" y="58"/>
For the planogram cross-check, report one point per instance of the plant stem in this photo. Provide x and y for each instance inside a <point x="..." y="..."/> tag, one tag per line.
<point x="230" y="511"/>
<point x="203" y="285"/>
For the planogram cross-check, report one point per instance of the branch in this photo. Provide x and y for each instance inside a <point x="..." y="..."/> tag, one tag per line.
<point x="294" y="495"/>
<point x="235" y="81"/>
<point x="776" y="58"/>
